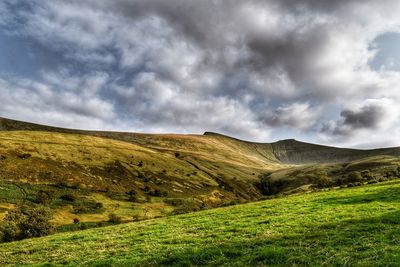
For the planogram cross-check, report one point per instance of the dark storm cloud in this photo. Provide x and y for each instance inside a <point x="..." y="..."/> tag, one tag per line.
<point x="247" y="68"/>
<point x="368" y="117"/>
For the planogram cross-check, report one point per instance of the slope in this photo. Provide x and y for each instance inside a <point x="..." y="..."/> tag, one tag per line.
<point x="295" y="152"/>
<point x="347" y="227"/>
<point x="286" y="151"/>
<point x="88" y="174"/>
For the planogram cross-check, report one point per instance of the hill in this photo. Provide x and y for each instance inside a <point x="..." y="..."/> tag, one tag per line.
<point x="288" y="151"/>
<point x="342" y="227"/>
<point x="88" y="174"/>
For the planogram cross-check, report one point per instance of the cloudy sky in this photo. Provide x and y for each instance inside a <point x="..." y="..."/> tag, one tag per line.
<point x="316" y="70"/>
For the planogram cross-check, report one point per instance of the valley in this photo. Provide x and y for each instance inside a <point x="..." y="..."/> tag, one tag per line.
<point x="85" y="175"/>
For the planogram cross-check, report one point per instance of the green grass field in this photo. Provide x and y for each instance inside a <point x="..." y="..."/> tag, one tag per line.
<point x="357" y="226"/>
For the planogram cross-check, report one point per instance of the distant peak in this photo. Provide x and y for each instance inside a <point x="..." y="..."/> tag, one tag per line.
<point x="288" y="140"/>
<point x="211" y="133"/>
<point x="219" y="135"/>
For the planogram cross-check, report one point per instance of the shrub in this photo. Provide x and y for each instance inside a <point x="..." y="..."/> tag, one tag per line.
<point x="354" y="177"/>
<point x="368" y="176"/>
<point x="101" y="224"/>
<point x="132" y="196"/>
<point x="158" y="193"/>
<point x="340" y="182"/>
<point x="43" y="197"/>
<point x="61" y="185"/>
<point x="68" y="197"/>
<point x="146" y="189"/>
<point x="24" y="156"/>
<point x="173" y="201"/>
<point x="323" y="181"/>
<point x="113" y="218"/>
<point x="9" y="231"/>
<point x="136" y="217"/>
<point x="87" y="206"/>
<point x="187" y="206"/>
<point x="26" y="222"/>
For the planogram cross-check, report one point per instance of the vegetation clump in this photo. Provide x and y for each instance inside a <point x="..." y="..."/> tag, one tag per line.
<point x="113" y="218"/>
<point x="26" y="222"/>
<point x="269" y="187"/>
<point x="157" y="193"/>
<point x="68" y="197"/>
<point x="43" y="197"/>
<point x="24" y="156"/>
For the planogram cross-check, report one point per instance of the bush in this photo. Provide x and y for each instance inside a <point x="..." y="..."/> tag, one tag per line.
<point x="354" y="177"/>
<point x="173" y="201"/>
<point x="68" y="197"/>
<point x="187" y="206"/>
<point x="146" y="189"/>
<point x="87" y="206"/>
<point x="24" y="156"/>
<point x="132" y="196"/>
<point x="113" y="218"/>
<point x="158" y="193"/>
<point x="26" y="222"/>
<point x="323" y="181"/>
<point x="43" y="197"/>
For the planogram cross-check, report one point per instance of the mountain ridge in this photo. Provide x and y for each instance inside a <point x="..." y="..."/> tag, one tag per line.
<point x="167" y="173"/>
<point x="290" y="151"/>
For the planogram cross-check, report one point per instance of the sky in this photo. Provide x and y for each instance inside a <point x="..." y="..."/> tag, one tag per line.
<point x="320" y="71"/>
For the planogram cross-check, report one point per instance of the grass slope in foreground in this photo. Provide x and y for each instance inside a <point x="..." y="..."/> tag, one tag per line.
<point x="348" y="227"/>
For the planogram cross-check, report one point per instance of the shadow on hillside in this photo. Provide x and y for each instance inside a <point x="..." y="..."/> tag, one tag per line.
<point x="385" y="195"/>
<point x="236" y="253"/>
<point x="392" y="182"/>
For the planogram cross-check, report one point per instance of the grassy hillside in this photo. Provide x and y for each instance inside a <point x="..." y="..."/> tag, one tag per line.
<point x="286" y="151"/>
<point x="126" y="178"/>
<point x="343" y="227"/>
<point x="87" y="175"/>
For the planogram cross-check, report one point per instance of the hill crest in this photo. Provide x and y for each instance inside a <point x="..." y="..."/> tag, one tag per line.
<point x="289" y="151"/>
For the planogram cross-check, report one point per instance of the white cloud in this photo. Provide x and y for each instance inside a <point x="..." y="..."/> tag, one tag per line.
<point x="34" y="101"/>
<point x="245" y="68"/>
<point x="300" y="116"/>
